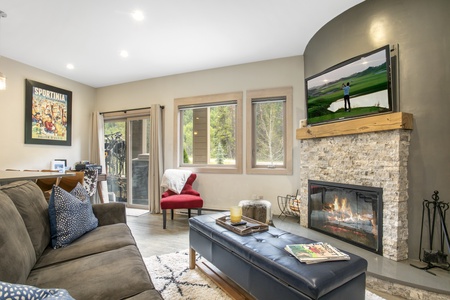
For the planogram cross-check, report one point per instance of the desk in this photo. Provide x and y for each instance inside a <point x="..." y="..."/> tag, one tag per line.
<point x="8" y="176"/>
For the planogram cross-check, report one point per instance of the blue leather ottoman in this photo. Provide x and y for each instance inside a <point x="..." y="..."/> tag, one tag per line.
<point x="259" y="264"/>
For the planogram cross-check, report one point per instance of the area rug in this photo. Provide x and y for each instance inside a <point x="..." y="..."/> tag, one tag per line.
<point x="135" y="212"/>
<point x="172" y="277"/>
<point x="174" y="280"/>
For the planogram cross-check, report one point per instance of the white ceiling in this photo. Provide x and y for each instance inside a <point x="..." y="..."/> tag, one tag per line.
<point x="176" y="36"/>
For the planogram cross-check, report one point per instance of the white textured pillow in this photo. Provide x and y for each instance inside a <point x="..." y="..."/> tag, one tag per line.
<point x="174" y="179"/>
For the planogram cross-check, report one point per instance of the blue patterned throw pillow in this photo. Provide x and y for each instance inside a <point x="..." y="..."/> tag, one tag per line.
<point x="19" y="291"/>
<point x="71" y="215"/>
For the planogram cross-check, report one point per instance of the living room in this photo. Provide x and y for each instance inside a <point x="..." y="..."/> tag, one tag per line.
<point x="419" y="28"/>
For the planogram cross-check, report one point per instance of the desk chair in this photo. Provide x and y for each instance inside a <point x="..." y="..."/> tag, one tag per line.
<point x="90" y="181"/>
<point x="70" y="182"/>
<point x="46" y="184"/>
<point x="188" y="198"/>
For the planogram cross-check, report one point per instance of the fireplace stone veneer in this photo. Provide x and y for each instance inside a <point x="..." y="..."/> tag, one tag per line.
<point x="376" y="159"/>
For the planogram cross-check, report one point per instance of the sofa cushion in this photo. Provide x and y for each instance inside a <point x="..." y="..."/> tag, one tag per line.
<point x="19" y="291"/>
<point x="110" y="213"/>
<point x="32" y="206"/>
<point x="17" y="251"/>
<point x="70" y="214"/>
<point x="101" y="239"/>
<point x="115" y="274"/>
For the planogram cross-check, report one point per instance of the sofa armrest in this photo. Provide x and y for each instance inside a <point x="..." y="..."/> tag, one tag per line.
<point x="110" y="213"/>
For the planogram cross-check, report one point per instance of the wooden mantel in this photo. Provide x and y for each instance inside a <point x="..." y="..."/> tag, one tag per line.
<point x="391" y="121"/>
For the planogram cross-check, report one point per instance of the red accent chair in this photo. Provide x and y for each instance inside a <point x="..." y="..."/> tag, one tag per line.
<point x="188" y="198"/>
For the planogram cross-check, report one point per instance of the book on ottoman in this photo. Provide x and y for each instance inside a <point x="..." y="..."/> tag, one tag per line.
<point x="316" y="252"/>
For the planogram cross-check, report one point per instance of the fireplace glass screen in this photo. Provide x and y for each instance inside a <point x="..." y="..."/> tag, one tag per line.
<point x="348" y="212"/>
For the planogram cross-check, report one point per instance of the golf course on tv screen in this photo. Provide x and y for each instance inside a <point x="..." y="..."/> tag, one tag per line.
<point x="365" y="81"/>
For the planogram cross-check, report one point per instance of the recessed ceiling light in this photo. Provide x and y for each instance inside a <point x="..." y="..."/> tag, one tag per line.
<point x="138" y="15"/>
<point x="70" y="66"/>
<point x="124" y="53"/>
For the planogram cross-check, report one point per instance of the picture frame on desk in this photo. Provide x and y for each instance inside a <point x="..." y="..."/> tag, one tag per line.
<point x="48" y="114"/>
<point x="59" y="164"/>
<point x="63" y="160"/>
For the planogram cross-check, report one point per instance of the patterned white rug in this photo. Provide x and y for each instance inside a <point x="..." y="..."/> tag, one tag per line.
<point x="135" y="212"/>
<point x="174" y="280"/>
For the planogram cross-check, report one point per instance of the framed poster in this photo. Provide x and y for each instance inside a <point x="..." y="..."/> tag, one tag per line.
<point x="48" y="114"/>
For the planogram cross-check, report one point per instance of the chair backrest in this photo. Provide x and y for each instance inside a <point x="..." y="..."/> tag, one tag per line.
<point x="70" y="182"/>
<point x="46" y="184"/>
<point x="189" y="182"/>
<point x="90" y="181"/>
<point x="187" y="189"/>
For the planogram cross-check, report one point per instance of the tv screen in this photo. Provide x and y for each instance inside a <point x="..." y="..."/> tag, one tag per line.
<point x="357" y="87"/>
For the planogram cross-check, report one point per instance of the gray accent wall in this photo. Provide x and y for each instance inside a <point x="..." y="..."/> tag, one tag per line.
<point x="421" y="29"/>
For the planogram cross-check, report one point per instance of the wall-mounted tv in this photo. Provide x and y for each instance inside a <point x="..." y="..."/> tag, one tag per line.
<point x="356" y="87"/>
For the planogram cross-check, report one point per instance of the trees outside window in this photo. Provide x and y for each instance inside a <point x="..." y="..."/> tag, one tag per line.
<point x="268" y="126"/>
<point x="209" y="133"/>
<point x="269" y="131"/>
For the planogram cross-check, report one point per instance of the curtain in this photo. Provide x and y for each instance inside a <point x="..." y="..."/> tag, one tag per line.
<point x="97" y="151"/>
<point x="156" y="159"/>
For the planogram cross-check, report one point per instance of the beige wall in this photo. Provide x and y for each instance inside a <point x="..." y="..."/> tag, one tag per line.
<point x="218" y="190"/>
<point x="14" y="152"/>
<point x="421" y="29"/>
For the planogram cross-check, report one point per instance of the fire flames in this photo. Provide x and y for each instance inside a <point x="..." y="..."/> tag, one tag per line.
<point x="341" y="212"/>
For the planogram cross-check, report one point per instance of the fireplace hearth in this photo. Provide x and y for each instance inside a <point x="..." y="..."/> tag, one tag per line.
<point x="352" y="213"/>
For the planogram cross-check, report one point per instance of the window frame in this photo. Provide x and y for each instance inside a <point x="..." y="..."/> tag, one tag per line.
<point x="209" y="100"/>
<point x="256" y="96"/>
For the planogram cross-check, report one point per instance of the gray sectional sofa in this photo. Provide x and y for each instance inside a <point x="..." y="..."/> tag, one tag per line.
<point x="104" y="263"/>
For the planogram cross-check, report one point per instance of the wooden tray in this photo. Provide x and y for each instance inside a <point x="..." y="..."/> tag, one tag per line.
<point x="251" y="226"/>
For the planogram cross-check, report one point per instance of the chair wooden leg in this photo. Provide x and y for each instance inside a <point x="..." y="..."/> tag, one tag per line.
<point x="189" y="213"/>
<point x="164" y="218"/>
<point x="199" y="211"/>
<point x="171" y="214"/>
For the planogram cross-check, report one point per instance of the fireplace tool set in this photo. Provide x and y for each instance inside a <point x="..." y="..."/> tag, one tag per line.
<point x="434" y="214"/>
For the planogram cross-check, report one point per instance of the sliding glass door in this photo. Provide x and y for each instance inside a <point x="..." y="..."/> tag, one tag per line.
<point x="138" y="156"/>
<point x="127" y="159"/>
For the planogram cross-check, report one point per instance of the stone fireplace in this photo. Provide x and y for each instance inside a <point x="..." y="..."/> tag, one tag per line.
<point x="376" y="159"/>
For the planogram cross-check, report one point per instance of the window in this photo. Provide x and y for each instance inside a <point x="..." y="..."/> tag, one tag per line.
<point x="269" y="131"/>
<point x="208" y="135"/>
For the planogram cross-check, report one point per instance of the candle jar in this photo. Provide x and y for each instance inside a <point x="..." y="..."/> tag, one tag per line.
<point x="235" y="214"/>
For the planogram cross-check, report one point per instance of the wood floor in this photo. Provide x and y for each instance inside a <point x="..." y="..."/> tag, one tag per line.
<point x="152" y="239"/>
